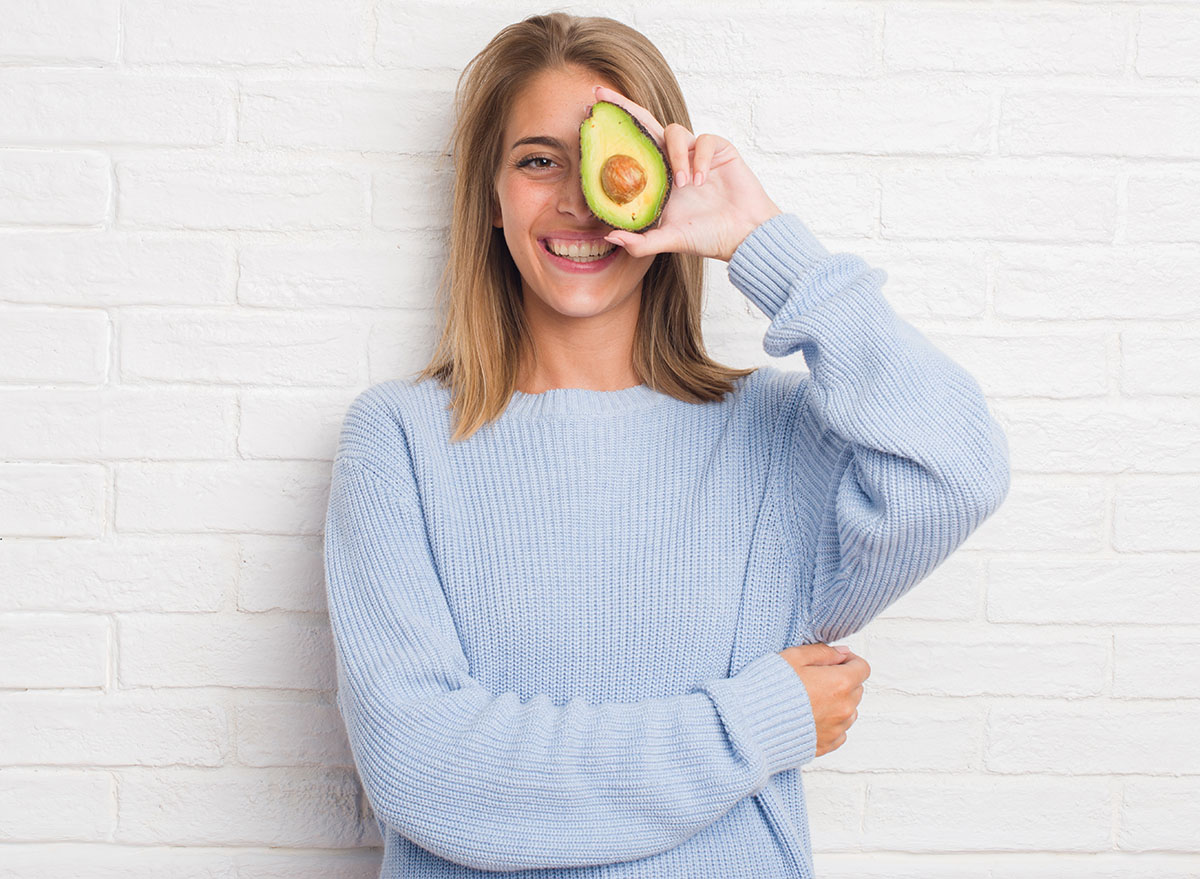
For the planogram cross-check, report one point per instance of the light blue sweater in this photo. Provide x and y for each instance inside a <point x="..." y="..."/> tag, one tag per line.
<point x="557" y="642"/>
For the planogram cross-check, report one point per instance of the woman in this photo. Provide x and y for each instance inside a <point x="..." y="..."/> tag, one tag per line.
<point x="579" y="574"/>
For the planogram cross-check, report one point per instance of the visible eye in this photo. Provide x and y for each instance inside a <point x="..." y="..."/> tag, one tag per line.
<point x="534" y="162"/>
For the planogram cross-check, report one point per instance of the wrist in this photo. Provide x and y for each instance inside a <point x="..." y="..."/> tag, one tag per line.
<point x="751" y="221"/>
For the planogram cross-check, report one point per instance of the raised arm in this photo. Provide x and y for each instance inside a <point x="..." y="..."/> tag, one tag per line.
<point x="495" y="783"/>
<point x="892" y="458"/>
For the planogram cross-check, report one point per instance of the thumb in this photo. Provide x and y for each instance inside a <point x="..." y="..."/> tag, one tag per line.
<point x="816" y="654"/>
<point x="639" y="244"/>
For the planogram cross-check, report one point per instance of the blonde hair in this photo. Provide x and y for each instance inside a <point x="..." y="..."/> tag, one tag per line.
<point x="485" y="333"/>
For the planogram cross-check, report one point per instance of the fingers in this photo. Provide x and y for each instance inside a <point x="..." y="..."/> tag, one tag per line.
<point x="679" y="148"/>
<point x="705" y="146"/>
<point x="639" y="244"/>
<point x="640" y="113"/>
<point x="815" y="654"/>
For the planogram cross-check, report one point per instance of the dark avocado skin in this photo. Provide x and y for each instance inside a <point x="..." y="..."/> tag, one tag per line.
<point x="636" y="227"/>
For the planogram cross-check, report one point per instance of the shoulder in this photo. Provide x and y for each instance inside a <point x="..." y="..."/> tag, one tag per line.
<point x="770" y="395"/>
<point x="378" y="421"/>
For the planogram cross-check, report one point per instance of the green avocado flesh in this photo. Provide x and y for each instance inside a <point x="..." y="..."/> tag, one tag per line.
<point x="625" y="175"/>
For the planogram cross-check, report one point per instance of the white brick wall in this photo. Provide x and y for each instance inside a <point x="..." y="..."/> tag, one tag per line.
<point x="220" y="220"/>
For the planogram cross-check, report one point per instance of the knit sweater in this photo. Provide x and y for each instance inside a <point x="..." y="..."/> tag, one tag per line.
<point x="558" y="641"/>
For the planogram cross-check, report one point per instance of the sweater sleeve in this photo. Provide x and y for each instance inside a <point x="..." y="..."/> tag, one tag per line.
<point x="892" y="459"/>
<point x="494" y="782"/>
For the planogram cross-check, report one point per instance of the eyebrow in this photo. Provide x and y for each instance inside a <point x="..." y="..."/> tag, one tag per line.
<point x="542" y="140"/>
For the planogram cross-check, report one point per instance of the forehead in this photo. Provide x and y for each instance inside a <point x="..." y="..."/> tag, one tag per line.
<point x="553" y="102"/>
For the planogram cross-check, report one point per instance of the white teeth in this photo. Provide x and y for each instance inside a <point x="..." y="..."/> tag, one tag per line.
<point x="585" y="251"/>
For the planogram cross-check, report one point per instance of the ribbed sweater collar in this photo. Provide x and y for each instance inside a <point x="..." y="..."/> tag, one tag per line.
<point x="582" y="401"/>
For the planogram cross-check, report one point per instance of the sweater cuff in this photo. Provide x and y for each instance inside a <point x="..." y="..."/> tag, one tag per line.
<point x="766" y="706"/>
<point x="771" y="257"/>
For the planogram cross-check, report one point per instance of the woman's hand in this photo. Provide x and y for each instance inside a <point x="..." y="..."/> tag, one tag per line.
<point x="834" y="683"/>
<point x="716" y="201"/>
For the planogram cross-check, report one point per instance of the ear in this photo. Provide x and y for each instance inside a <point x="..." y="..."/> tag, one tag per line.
<point x="497" y="215"/>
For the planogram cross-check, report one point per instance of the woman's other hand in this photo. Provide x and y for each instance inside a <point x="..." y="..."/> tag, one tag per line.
<point x="834" y="683"/>
<point x="715" y="202"/>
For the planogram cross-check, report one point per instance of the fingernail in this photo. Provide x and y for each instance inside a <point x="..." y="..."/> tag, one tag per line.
<point x="681" y="178"/>
<point x="841" y="649"/>
<point x="699" y="178"/>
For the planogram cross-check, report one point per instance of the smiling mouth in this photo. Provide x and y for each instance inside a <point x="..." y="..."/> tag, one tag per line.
<point x="579" y="251"/>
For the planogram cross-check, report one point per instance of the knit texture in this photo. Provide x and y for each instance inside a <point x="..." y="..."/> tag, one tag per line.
<point x="558" y="641"/>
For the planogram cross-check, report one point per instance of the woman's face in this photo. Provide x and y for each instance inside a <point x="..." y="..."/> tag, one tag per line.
<point x="541" y="204"/>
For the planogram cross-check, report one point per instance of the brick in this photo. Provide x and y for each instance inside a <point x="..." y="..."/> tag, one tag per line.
<point x="353" y="864"/>
<point x="875" y="119"/>
<point x="256" y="497"/>
<point x="346" y="116"/>
<point x="997" y="813"/>
<point x="99" y="269"/>
<point x="1158" y="363"/>
<point x="285" y="732"/>
<point x="997" y="200"/>
<point x="1109" y="436"/>
<point x="1159" y="813"/>
<point x="1059" y="365"/>
<point x="1014" y="40"/>
<point x="1161" y="208"/>
<point x="108" y="861"/>
<point x="310" y="808"/>
<point x="52" y="650"/>
<point x="121" y="573"/>
<point x="86" y="107"/>
<point x="53" y="188"/>
<point x="841" y="207"/>
<point x="832" y="864"/>
<point x="117" y="422"/>
<point x="400" y="275"/>
<point x="73" y="31"/>
<point x="291" y="424"/>
<point x="147" y="728"/>
<point x="969" y="661"/>
<point x="952" y="591"/>
<point x="835" y="807"/>
<point x="399" y="348"/>
<point x="1095" y="123"/>
<point x="255" y="192"/>
<point x="1151" y="514"/>
<point x="52" y="500"/>
<point x="243" y="650"/>
<point x="1159" y="665"/>
<point x="1049" y="513"/>
<point x="413" y="34"/>
<point x="281" y="573"/>
<point x="295" y="33"/>
<point x="1094" y="737"/>
<point x="896" y="732"/>
<point x="943" y="280"/>
<point x="1168" y="42"/>
<point x="235" y="347"/>
<point x="989" y="865"/>
<point x="1118" y="282"/>
<point x="725" y="110"/>
<point x="1094" y="591"/>
<point x="54" y="805"/>
<point x="53" y="345"/>
<point x="414" y="196"/>
<point x="760" y="38"/>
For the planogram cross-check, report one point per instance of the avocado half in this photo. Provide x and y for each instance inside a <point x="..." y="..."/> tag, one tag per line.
<point x="625" y="175"/>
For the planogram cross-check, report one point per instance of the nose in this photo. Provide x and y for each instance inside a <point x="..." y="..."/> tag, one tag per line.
<point x="570" y="198"/>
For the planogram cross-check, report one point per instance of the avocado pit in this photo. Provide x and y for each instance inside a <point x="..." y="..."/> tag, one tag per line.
<point x="622" y="178"/>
